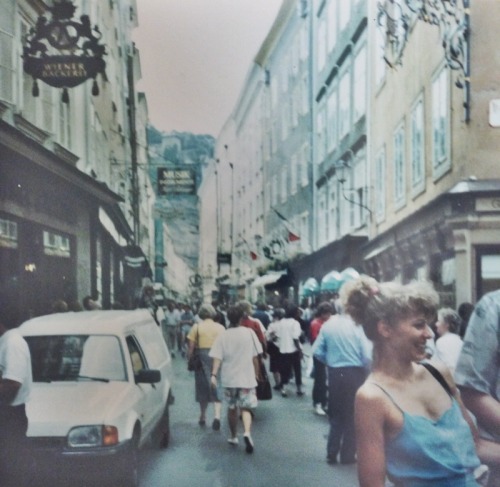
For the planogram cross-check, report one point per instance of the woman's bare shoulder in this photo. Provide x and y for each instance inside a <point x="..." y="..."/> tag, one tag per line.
<point x="371" y="394"/>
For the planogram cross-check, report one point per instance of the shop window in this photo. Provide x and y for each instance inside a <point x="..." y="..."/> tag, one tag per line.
<point x="56" y="245"/>
<point x="8" y="234"/>
<point x="380" y="185"/>
<point x="417" y="146"/>
<point x="399" y="166"/>
<point x="489" y="273"/>
<point x="440" y="123"/>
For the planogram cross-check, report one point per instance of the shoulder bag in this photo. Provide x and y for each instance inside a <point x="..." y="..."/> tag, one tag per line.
<point x="194" y="361"/>
<point x="263" y="390"/>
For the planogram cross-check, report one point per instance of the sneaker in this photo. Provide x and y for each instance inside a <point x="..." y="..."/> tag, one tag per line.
<point x="284" y="393"/>
<point x="216" y="424"/>
<point x="300" y="392"/>
<point x="318" y="409"/>
<point x="233" y="441"/>
<point x="248" y="443"/>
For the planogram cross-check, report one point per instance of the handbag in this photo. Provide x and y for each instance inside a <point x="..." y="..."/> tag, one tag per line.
<point x="194" y="361"/>
<point x="263" y="390"/>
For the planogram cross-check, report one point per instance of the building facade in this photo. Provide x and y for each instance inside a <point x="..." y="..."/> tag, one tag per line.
<point x="378" y="147"/>
<point x="434" y="159"/>
<point x="66" y="223"/>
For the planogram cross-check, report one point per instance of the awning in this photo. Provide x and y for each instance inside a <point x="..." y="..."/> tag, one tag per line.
<point x="331" y="282"/>
<point x="266" y="279"/>
<point x="377" y="251"/>
<point x="349" y="274"/>
<point x="310" y="287"/>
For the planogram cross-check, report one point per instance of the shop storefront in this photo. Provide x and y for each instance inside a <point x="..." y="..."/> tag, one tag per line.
<point x="453" y="242"/>
<point x="49" y="226"/>
<point x="336" y="256"/>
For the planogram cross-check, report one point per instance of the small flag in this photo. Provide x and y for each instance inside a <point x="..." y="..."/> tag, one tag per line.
<point x="253" y="255"/>
<point x="292" y="237"/>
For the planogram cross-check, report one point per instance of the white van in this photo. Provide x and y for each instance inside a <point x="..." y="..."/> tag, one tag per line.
<point x="101" y="389"/>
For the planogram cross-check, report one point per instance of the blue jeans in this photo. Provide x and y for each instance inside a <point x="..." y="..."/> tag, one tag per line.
<point x="343" y="382"/>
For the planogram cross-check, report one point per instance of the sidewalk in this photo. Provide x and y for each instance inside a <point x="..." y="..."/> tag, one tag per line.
<point x="290" y="443"/>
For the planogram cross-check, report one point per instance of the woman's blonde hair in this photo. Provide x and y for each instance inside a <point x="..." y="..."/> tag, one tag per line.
<point x="206" y="311"/>
<point x="369" y="302"/>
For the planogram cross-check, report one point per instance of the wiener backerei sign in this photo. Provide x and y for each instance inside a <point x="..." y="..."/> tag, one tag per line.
<point x="63" y="52"/>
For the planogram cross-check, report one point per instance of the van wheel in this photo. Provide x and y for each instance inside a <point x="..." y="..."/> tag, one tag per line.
<point x="129" y="476"/>
<point x="164" y="429"/>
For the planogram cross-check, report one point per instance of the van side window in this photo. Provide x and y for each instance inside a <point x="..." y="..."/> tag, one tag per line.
<point x="136" y="356"/>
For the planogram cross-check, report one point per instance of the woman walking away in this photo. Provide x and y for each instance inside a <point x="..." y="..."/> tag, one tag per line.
<point x="236" y="352"/>
<point x="201" y="337"/>
<point x="410" y="421"/>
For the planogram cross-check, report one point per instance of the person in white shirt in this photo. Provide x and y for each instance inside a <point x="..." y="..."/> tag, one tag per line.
<point x="288" y="332"/>
<point x="169" y="327"/>
<point x="235" y="352"/>
<point x="449" y="344"/>
<point x="15" y="387"/>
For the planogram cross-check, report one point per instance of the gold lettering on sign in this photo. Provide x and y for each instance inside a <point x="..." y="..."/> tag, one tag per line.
<point x="64" y="70"/>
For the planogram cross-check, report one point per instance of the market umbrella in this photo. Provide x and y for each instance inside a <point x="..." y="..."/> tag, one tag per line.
<point x="310" y="287"/>
<point x="331" y="282"/>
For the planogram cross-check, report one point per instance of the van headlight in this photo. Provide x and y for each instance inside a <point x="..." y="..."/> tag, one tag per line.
<point x="92" y="436"/>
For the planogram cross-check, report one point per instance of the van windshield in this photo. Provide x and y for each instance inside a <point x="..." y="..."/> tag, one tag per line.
<point x="76" y="357"/>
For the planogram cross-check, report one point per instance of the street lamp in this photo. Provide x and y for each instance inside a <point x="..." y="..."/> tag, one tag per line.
<point x="341" y="170"/>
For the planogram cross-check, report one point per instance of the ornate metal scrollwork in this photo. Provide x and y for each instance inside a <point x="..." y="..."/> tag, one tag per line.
<point x="396" y="17"/>
<point x="63" y="52"/>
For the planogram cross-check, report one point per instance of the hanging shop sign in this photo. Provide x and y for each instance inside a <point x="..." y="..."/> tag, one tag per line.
<point x="224" y="258"/>
<point x="63" y="52"/>
<point x="176" y="181"/>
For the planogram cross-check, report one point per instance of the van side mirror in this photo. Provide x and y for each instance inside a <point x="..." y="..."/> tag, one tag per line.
<point x="148" y="376"/>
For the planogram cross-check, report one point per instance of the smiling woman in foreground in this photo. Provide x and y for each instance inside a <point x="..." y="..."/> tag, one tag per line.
<point x="410" y="422"/>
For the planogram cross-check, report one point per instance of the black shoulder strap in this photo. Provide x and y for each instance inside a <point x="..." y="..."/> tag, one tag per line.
<point x="438" y="376"/>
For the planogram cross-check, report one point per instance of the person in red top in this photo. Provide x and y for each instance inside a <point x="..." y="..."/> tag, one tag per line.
<point x="319" y="393"/>
<point x="254" y="324"/>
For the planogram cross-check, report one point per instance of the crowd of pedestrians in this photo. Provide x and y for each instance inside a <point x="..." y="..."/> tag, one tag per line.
<point x="411" y="390"/>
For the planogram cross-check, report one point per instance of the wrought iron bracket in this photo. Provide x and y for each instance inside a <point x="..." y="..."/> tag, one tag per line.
<point x="396" y="18"/>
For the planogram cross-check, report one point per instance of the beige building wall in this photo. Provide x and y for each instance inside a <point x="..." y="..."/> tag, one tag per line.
<point x="444" y="225"/>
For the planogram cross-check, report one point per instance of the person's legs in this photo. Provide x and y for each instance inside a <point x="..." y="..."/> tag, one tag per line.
<point x="232" y="419"/>
<point x="352" y="379"/>
<point x="334" y="415"/>
<point x="297" y="369"/>
<point x="15" y="461"/>
<point x="217" y="410"/>
<point x="246" y="417"/>
<point x="179" y="339"/>
<point x="285" y="370"/>
<point x="172" y="338"/>
<point x="203" y="411"/>
<point x="319" y="395"/>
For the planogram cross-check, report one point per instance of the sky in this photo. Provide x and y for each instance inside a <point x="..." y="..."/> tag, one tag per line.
<point x="195" y="55"/>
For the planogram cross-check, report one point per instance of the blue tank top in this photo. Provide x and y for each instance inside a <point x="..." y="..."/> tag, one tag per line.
<point x="427" y="453"/>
